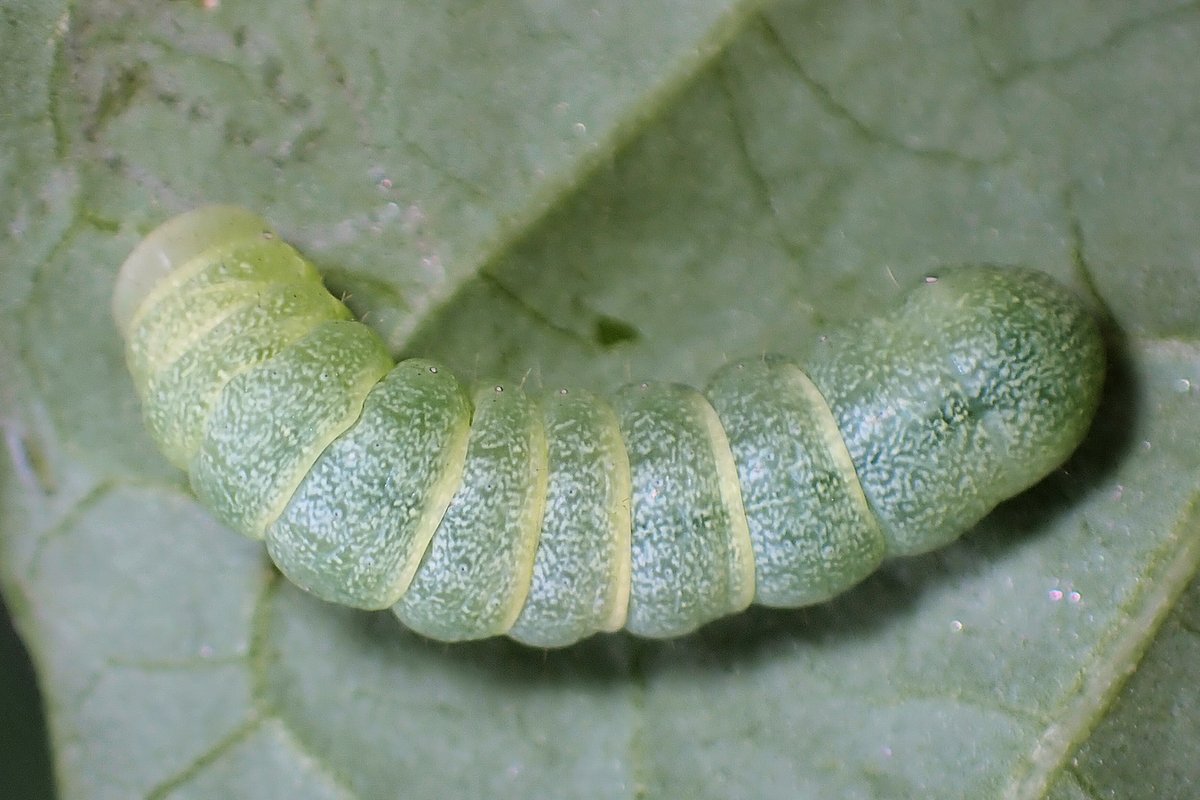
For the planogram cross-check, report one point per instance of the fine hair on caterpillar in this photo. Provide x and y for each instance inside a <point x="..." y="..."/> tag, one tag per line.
<point x="476" y="512"/>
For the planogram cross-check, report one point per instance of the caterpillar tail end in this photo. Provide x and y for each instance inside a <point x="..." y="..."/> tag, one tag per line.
<point x="171" y="245"/>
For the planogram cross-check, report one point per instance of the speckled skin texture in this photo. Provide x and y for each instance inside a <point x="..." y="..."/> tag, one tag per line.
<point x="487" y="512"/>
<point x="360" y="521"/>
<point x="476" y="572"/>
<point x="812" y="531"/>
<point x="691" y="547"/>
<point x="580" y="578"/>
<point x="979" y="384"/>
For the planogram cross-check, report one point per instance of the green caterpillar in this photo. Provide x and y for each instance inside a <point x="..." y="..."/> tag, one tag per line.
<point x="474" y="514"/>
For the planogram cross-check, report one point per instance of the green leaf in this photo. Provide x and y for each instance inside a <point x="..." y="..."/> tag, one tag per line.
<point x="587" y="194"/>
<point x="1147" y="745"/>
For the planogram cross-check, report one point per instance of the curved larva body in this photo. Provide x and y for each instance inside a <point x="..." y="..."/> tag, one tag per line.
<point x="477" y="514"/>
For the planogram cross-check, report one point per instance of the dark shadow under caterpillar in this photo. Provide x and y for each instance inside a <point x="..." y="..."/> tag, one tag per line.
<point x="474" y="514"/>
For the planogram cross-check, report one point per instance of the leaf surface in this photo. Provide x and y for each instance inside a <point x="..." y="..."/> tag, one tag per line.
<point x="587" y="195"/>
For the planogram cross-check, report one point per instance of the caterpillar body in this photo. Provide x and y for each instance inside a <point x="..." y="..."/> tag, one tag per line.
<point x="488" y="512"/>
